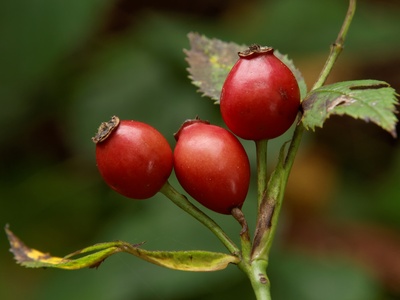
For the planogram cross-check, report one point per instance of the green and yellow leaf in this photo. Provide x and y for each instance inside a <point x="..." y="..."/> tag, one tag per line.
<point x="93" y="256"/>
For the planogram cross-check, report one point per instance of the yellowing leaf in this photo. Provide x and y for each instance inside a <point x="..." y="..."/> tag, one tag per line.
<point x="32" y="258"/>
<point x="195" y="260"/>
<point x="93" y="256"/>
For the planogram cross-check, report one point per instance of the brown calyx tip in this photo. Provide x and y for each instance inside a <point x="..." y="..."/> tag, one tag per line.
<point x="255" y="49"/>
<point x="187" y="123"/>
<point x="105" y="129"/>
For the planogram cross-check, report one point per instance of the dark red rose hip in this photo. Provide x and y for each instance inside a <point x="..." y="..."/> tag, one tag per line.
<point x="133" y="158"/>
<point x="211" y="165"/>
<point x="260" y="97"/>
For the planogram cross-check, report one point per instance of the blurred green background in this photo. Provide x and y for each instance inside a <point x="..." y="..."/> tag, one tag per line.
<point x="66" y="66"/>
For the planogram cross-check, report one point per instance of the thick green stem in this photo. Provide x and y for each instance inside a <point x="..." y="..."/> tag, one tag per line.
<point x="256" y="272"/>
<point x="260" y="281"/>
<point x="270" y="196"/>
<point x="262" y="153"/>
<point x="269" y="211"/>
<point x="181" y="201"/>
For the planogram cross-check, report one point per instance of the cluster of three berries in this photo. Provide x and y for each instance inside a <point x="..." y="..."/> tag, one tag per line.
<point x="259" y="100"/>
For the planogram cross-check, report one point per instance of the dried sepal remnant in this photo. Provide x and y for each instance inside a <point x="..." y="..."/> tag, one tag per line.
<point x="105" y="129"/>
<point x="187" y="123"/>
<point x="255" y="49"/>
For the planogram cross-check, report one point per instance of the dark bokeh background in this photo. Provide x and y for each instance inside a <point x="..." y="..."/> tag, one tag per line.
<point x="66" y="66"/>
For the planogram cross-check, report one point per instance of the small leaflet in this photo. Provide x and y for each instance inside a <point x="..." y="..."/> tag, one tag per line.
<point x="369" y="100"/>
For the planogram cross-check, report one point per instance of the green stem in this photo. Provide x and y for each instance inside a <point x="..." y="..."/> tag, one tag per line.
<point x="337" y="47"/>
<point x="270" y="196"/>
<point x="181" y="201"/>
<point x="293" y="148"/>
<point x="262" y="153"/>
<point x="256" y="272"/>
<point x="260" y="281"/>
<point x="268" y="213"/>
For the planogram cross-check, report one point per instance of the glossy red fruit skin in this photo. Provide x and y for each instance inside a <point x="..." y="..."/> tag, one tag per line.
<point x="260" y="97"/>
<point x="211" y="165"/>
<point x="135" y="160"/>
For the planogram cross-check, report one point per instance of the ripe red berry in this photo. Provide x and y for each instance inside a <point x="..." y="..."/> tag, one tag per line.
<point x="133" y="158"/>
<point x="211" y="165"/>
<point x="260" y="97"/>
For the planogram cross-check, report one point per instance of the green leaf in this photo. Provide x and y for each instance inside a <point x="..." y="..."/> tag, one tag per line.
<point x="369" y="100"/>
<point x="210" y="61"/>
<point x="196" y="260"/>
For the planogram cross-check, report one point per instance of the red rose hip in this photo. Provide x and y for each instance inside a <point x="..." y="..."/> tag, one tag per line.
<point x="133" y="158"/>
<point x="260" y="97"/>
<point x="211" y="165"/>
